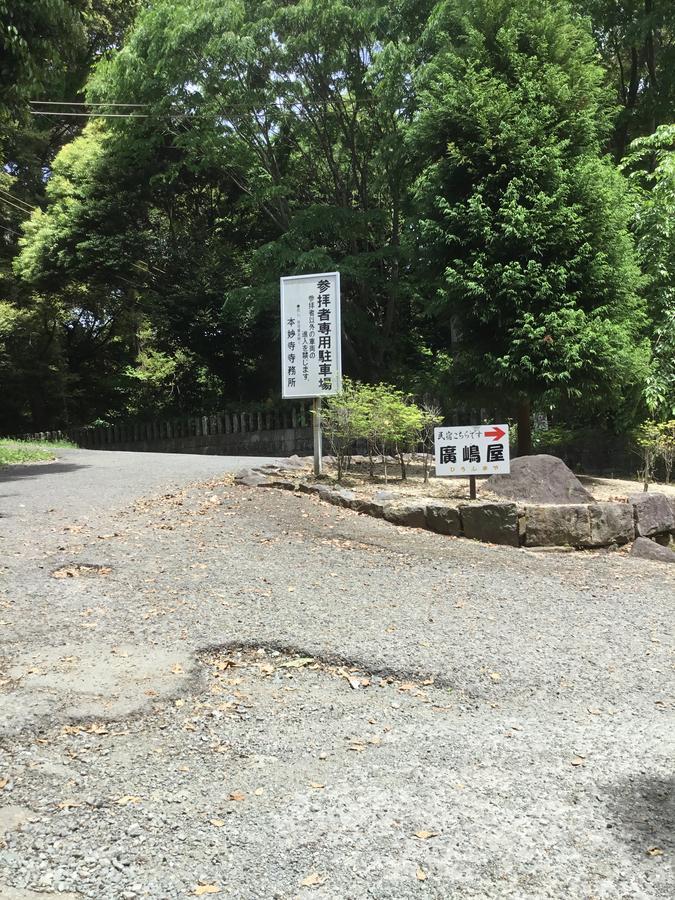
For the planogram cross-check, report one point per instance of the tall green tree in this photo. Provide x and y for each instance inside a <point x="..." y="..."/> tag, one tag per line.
<point x="303" y="106"/>
<point x="523" y="224"/>
<point x="651" y="166"/>
<point x="636" y="42"/>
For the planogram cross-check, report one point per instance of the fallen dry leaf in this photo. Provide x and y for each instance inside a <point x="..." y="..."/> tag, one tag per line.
<point x="421" y="874"/>
<point x="68" y="804"/>
<point x="312" y="880"/>
<point x="202" y="889"/>
<point x="177" y="669"/>
<point x="425" y="835"/>
<point x="296" y="663"/>
<point x="578" y="761"/>
<point x="316" y="784"/>
<point x="259" y="792"/>
<point x="495" y="676"/>
<point x="97" y="728"/>
<point x="237" y="795"/>
<point x="655" y="851"/>
<point x="217" y="823"/>
<point x="128" y="798"/>
<point x="3" y="783"/>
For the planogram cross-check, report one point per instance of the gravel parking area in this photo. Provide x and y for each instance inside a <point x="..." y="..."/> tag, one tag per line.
<point x="209" y="689"/>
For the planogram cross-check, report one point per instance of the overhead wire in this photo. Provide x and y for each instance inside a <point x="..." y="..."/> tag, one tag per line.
<point x="29" y="206"/>
<point x="93" y="115"/>
<point x="26" y="212"/>
<point x="82" y="103"/>
<point x="11" y="230"/>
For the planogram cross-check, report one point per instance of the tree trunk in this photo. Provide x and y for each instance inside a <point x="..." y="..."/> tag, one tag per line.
<point x="524" y="427"/>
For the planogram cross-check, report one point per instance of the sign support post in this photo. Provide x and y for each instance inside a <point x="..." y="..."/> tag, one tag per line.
<point x="316" y="431"/>
<point x="472" y="487"/>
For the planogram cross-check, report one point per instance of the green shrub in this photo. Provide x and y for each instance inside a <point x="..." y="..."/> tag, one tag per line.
<point x="385" y="418"/>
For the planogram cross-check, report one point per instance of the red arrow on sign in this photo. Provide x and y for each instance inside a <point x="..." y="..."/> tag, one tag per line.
<point x="496" y="433"/>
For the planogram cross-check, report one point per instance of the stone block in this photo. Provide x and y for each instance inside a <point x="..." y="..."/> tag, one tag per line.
<point x="549" y="525"/>
<point x="653" y="514"/>
<point x="443" y="518"/>
<point x="249" y="478"/>
<point x="643" y="548"/>
<point x="495" y="522"/>
<point x="280" y="483"/>
<point x="368" y="508"/>
<point x="611" y="523"/>
<point x="339" y="497"/>
<point x="413" y="515"/>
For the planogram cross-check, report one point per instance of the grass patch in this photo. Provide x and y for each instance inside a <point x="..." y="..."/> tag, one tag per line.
<point x="28" y="451"/>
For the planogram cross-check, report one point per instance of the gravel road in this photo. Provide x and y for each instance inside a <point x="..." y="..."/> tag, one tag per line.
<point x="209" y="689"/>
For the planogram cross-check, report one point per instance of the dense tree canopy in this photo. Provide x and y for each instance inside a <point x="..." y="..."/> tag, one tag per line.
<point x="448" y="158"/>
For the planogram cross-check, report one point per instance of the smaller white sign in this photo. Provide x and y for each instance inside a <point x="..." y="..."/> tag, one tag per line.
<point x="472" y="450"/>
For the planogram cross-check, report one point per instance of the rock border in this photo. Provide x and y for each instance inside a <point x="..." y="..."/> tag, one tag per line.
<point x="582" y="526"/>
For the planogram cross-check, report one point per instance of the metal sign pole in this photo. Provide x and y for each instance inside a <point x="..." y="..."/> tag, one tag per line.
<point x="316" y="428"/>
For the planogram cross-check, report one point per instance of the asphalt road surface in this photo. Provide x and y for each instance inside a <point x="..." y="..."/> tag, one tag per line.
<point x="209" y="689"/>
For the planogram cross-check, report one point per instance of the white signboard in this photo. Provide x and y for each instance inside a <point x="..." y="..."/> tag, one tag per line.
<point x="472" y="450"/>
<point x="311" y="364"/>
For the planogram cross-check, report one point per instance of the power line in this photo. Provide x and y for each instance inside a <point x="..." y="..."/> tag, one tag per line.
<point x="11" y="230"/>
<point x="24" y="211"/>
<point x="17" y="199"/>
<point x="93" y="115"/>
<point x="81" y="103"/>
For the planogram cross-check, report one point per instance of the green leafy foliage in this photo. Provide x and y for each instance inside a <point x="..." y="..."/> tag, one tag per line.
<point x="655" y="443"/>
<point x="651" y="168"/>
<point x="379" y="415"/>
<point x="523" y="223"/>
<point x="447" y="157"/>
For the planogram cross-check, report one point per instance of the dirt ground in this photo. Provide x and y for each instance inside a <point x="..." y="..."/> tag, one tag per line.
<point x="216" y="689"/>
<point x="358" y="479"/>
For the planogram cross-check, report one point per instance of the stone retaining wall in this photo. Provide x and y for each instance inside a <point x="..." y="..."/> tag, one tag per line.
<point x="576" y="525"/>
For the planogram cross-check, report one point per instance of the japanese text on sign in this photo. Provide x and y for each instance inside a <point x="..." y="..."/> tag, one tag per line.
<point x="311" y="335"/>
<point x="472" y="450"/>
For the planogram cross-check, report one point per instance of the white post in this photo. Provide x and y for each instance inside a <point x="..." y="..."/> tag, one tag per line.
<point x="316" y="428"/>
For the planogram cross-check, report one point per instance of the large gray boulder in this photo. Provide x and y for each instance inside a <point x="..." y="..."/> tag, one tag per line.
<point x="539" y="479"/>
<point x="653" y="514"/>
<point x="643" y="548"/>
<point x="497" y="523"/>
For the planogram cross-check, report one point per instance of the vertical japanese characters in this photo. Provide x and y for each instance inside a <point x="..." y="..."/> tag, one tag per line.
<point x="310" y="316"/>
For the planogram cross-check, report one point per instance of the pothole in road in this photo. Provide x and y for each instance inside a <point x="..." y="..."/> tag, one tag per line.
<point x="268" y="663"/>
<point x="80" y="570"/>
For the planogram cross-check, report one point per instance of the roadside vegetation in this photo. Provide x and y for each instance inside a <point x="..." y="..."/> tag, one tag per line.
<point x="12" y="452"/>
<point x="494" y="180"/>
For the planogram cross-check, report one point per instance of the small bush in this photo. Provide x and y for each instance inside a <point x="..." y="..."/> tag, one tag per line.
<point x="387" y="420"/>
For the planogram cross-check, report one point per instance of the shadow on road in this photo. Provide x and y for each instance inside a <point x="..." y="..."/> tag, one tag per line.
<point x="17" y="472"/>
<point x="643" y="812"/>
